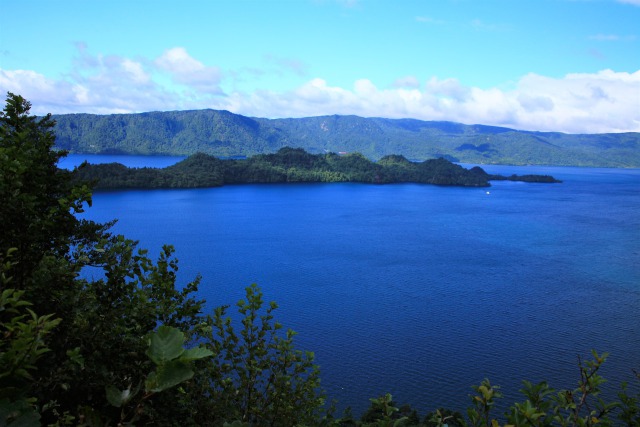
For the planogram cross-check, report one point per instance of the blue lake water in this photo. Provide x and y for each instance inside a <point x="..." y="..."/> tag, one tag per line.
<point x="416" y="290"/>
<point x="130" y="161"/>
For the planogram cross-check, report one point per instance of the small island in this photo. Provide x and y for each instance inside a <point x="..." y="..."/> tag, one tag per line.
<point x="290" y="165"/>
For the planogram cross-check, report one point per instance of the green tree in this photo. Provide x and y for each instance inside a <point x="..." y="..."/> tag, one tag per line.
<point x="39" y="199"/>
<point x="114" y="313"/>
<point x="257" y="376"/>
<point x="384" y="413"/>
<point x="98" y="341"/>
<point x="23" y="335"/>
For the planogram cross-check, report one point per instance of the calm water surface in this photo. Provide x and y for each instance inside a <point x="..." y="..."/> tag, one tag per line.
<point x="130" y="161"/>
<point x="418" y="290"/>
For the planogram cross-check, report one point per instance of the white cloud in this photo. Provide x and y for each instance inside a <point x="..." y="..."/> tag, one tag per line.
<point x="42" y="92"/>
<point x="532" y="103"/>
<point x="135" y="71"/>
<point x="599" y="102"/>
<point x="606" y="101"/>
<point x="188" y="71"/>
<point x="407" y="82"/>
<point x="111" y="84"/>
<point x="448" y="88"/>
<point x="114" y="84"/>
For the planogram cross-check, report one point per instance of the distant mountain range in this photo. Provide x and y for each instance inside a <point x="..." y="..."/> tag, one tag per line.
<point x="224" y="134"/>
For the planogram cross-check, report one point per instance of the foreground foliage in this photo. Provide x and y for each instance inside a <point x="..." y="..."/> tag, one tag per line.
<point x="124" y="344"/>
<point x="543" y="406"/>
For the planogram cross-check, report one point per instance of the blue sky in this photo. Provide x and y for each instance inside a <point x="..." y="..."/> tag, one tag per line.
<point x="550" y="65"/>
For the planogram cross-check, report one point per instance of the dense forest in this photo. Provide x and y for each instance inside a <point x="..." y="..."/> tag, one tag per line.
<point x="224" y="134"/>
<point x="292" y="165"/>
<point x="131" y="346"/>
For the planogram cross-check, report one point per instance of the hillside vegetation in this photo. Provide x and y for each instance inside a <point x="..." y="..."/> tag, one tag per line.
<point x="224" y="134"/>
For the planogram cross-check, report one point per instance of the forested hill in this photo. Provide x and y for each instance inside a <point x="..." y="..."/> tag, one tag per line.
<point x="224" y="134"/>
<point x="292" y="165"/>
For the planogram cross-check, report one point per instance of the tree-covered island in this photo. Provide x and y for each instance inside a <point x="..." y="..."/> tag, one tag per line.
<point x="290" y="165"/>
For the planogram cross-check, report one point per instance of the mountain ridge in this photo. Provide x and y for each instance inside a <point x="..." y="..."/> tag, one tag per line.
<point x="226" y="134"/>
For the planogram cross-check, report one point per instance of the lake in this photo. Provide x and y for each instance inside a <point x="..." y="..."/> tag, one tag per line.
<point x="417" y="290"/>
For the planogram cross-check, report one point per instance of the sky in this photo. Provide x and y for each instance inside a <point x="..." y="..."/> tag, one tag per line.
<point x="546" y="65"/>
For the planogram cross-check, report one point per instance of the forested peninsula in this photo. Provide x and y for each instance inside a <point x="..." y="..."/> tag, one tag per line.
<point x="291" y="165"/>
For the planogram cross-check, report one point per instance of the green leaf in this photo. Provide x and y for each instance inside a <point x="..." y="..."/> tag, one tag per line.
<point x="165" y="345"/>
<point x="168" y="375"/>
<point x="76" y="357"/>
<point x="118" y="397"/>
<point x="195" y="354"/>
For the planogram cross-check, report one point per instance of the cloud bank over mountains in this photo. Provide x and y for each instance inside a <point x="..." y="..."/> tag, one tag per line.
<point x="605" y="101"/>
